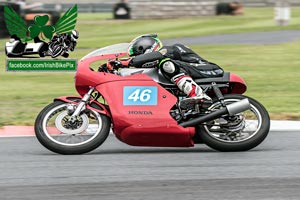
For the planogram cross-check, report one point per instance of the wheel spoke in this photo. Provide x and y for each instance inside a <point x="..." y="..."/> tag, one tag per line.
<point x="58" y="128"/>
<point x="222" y="129"/>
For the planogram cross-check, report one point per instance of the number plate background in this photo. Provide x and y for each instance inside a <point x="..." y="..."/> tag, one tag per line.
<point x="139" y="93"/>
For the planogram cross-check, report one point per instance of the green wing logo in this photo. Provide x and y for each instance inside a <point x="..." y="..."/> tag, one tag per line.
<point x="17" y="26"/>
<point x="49" y="40"/>
<point x="67" y="22"/>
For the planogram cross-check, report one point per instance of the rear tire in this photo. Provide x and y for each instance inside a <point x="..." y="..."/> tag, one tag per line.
<point x="45" y="137"/>
<point x="213" y="140"/>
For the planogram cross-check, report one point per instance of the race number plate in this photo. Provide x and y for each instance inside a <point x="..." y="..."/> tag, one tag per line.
<point x="140" y="96"/>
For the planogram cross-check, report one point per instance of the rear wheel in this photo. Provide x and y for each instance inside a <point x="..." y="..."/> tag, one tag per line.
<point x="57" y="133"/>
<point x="240" y="132"/>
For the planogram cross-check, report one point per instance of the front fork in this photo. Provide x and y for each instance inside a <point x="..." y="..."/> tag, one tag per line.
<point x="81" y="106"/>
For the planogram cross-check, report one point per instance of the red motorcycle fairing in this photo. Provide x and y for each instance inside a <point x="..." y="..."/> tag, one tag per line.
<point x="144" y="125"/>
<point x="137" y="125"/>
<point x="96" y="106"/>
<point x="86" y="78"/>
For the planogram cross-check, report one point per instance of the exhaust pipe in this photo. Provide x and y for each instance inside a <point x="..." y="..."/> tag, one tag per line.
<point x="230" y="109"/>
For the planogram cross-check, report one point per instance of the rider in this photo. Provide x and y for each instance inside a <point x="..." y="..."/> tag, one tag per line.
<point x="68" y="40"/>
<point x="177" y="63"/>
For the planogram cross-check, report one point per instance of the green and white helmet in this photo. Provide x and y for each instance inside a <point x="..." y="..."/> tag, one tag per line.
<point x="144" y="44"/>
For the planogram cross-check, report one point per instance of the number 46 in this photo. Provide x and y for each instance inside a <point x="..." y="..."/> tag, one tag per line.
<point x="143" y="95"/>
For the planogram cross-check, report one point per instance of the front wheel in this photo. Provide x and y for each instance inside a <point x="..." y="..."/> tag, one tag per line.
<point x="240" y="132"/>
<point x="57" y="133"/>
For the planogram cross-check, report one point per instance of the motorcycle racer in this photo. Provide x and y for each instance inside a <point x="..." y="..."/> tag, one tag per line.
<point x="65" y="41"/>
<point x="178" y="63"/>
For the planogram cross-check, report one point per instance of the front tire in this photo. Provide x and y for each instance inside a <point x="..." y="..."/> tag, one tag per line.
<point x="248" y="130"/>
<point x="53" y="131"/>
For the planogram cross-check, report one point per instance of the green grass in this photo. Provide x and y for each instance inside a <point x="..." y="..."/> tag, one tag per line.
<point x="271" y="71"/>
<point x="111" y="31"/>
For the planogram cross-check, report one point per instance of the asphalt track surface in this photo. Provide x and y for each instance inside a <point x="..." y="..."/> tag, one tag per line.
<point x="255" y="38"/>
<point x="118" y="171"/>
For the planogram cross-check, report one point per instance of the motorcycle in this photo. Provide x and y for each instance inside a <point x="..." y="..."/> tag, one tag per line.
<point x="60" y="45"/>
<point x="142" y="108"/>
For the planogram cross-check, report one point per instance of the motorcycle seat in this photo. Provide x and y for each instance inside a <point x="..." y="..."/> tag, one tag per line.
<point x="159" y="77"/>
<point x="224" y="79"/>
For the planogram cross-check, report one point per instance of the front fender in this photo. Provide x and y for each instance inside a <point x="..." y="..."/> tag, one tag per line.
<point x="96" y="106"/>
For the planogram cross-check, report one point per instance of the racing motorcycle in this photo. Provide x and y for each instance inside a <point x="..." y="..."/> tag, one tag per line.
<point x="142" y="108"/>
<point x="61" y="44"/>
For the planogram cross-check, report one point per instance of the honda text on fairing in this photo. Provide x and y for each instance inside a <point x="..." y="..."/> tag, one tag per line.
<point x="143" y="109"/>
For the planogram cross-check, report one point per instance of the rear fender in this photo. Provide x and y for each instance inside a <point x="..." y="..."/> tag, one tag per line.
<point x="96" y="106"/>
<point x="237" y="84"/>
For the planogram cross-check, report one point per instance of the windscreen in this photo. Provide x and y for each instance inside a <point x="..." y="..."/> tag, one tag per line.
<point x="112" y="49"/>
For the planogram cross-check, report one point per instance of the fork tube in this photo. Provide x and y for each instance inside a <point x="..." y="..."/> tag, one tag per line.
<point x="82" y="103"/>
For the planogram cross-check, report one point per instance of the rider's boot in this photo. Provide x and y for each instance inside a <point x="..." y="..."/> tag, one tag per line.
<point x="194" y="92"/>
